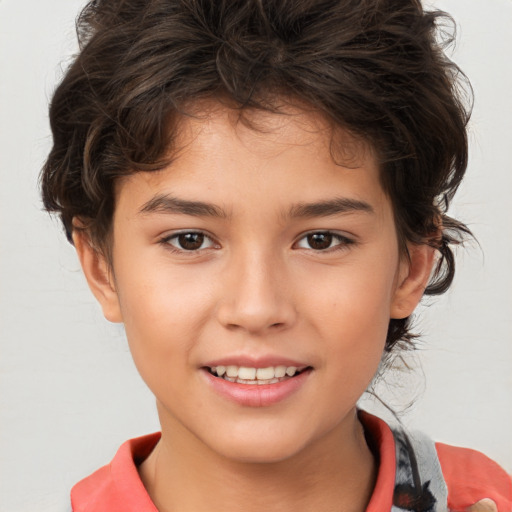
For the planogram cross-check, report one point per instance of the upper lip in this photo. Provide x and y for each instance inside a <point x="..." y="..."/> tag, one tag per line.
<point x="255" y="362"/>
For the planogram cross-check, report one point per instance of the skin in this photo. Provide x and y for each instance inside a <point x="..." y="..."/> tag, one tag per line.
<point x="257" y="287"/>
<point x="485" y="505"/>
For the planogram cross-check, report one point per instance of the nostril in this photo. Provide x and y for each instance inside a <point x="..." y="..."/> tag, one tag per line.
<point x="254" y="314"/>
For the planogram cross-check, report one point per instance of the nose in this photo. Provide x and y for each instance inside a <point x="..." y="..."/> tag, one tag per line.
<point x="256" y="296"/>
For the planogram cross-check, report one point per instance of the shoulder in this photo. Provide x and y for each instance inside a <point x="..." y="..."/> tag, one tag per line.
<point x="471" y="476"/>
<point x="117" y="487"/>
<point x="413" y="466"/>
<point x="94" y="492"/>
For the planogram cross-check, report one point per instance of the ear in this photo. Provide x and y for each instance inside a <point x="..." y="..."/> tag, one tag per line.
<point x="99" y="276"/>
<point x="413" y="278"/>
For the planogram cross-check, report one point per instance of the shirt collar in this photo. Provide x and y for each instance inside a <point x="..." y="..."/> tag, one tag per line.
<point x="117" y="487"/>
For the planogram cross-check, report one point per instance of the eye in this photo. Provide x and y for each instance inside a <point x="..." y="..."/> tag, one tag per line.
<point x="189" y="241"/>
<point x="323" y="241"/>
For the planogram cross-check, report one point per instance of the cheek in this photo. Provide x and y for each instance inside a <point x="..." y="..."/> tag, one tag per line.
<point x="354" y="345"/>
<point x="354" y="298"/>
<point x="350" y="309"/>
<point x="163" y="311"/>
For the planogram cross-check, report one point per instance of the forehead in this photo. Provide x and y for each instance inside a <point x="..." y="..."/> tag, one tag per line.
<point x="287" y="125"/>
<point x="225" y="155"/>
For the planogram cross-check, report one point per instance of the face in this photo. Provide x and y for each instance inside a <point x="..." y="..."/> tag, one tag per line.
<point x="256" y="278"/>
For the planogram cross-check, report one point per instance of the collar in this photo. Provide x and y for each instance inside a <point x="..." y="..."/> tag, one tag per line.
<point x="117" y="487"/>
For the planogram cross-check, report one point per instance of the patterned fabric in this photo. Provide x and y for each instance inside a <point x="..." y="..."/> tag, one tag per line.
<point x="419" y="482"/>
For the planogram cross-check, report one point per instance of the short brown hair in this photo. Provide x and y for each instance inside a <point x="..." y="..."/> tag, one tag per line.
<point x="373" y="67"/>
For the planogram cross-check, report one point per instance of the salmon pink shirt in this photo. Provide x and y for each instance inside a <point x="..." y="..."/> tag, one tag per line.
<point x="470" y="476"/>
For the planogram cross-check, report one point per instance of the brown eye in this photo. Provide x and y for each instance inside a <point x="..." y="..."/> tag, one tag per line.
<point x="325" y="241"/>
<point x="189" y="241"/>
<point x="320" y="241"/>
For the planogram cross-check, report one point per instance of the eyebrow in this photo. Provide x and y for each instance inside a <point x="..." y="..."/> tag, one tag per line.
<point x="165" y="203"/>
<point x="336" y="206"/>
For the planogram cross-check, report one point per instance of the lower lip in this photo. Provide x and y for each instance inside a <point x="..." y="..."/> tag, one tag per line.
<point x="255" y="395"/>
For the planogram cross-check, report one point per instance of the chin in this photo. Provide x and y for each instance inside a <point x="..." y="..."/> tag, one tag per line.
<point x="259" y="448"/>
<point x="262" y="453"/>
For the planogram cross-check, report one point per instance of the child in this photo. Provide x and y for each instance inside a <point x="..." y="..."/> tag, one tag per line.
<point x="258" y="190"/>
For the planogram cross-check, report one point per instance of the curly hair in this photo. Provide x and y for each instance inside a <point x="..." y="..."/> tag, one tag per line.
<point x="376" y="68"/>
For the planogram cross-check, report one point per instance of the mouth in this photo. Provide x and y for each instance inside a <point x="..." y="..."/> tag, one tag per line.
<point x="256" y="376"/>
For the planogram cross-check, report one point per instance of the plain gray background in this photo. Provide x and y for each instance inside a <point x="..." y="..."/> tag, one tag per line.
<point x="69" y="392"/>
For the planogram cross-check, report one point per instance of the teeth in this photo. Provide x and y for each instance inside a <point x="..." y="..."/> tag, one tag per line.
<point x="265" y="373"/>
<point x="290" y="371"/>
<point x="280" y="371"/>
<point x="247" y="375"/>
<point x="253" y="382"/>
<point x="232" y="371"/>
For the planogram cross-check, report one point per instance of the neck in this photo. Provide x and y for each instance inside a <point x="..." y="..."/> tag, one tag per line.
<point x="335" y="473"/>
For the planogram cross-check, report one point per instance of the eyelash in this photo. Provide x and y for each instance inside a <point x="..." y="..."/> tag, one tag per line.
<point x="342" y="242"/>
<point x="166" y="241"/>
